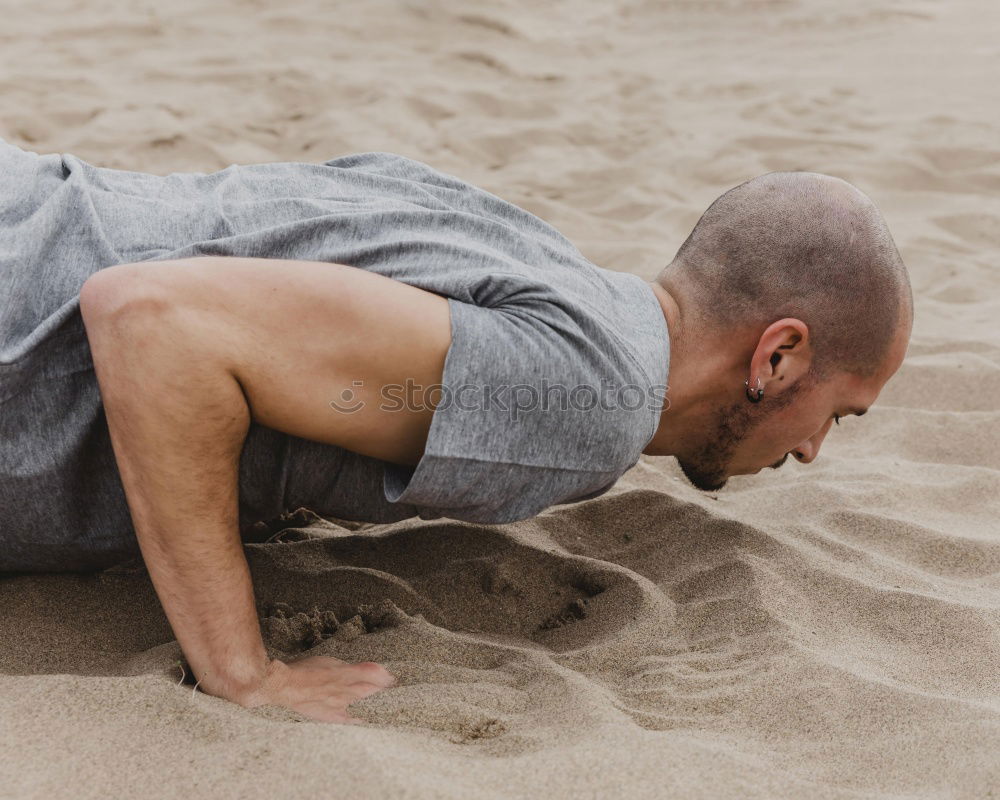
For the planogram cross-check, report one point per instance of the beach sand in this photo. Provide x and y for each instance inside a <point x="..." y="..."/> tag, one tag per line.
<point x="828" y="630"/>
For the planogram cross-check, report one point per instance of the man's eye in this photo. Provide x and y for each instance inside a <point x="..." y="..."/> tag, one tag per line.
<point x="836" y="418"/>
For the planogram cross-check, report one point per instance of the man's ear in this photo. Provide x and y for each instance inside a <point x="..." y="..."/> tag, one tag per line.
<point x="783" y="352"/>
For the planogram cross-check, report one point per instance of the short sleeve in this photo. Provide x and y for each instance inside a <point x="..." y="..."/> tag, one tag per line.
<point x="537" y="407"/>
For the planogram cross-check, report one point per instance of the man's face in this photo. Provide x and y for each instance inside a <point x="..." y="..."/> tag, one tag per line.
<point x="746" y="437"/>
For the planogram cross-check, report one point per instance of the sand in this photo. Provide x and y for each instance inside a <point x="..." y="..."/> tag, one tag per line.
<point x="825" y="631"/>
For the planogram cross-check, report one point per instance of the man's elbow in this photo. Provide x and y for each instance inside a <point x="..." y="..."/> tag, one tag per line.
<point x="114" y="291"/>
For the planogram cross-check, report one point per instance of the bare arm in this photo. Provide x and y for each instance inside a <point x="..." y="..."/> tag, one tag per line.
<point x="186" y="354"/>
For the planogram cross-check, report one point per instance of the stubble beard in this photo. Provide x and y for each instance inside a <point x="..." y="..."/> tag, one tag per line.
<point x="707" y="469"/>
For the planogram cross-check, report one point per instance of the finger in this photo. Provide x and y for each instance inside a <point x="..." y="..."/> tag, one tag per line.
<point x="365" y="689"/>
<point x="371" y="672"/>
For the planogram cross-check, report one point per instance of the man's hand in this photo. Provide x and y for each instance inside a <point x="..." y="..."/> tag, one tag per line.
<point x="186" y="354"/>
<point x="318" y="686"/>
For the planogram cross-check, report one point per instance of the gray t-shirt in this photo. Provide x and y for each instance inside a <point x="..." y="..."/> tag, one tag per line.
<point x="552" y="386"/>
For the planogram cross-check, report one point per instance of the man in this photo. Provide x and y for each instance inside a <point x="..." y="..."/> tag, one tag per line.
<point x="182" y="356"/>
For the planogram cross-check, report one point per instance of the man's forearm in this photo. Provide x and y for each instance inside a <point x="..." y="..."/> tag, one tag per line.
<point x="189" y="353"/>
<point x="178" y="418"/>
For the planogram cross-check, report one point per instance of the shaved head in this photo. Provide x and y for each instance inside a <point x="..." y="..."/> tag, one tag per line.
<point x="802" y="245"/>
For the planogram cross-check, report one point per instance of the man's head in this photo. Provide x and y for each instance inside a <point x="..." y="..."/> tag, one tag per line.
<point x="792" y="282"/>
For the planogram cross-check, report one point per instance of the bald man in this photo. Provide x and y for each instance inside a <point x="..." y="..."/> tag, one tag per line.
<point x="183" y="356"/>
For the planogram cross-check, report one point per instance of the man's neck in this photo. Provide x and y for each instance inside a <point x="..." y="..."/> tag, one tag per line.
<point x="688" y="396"/>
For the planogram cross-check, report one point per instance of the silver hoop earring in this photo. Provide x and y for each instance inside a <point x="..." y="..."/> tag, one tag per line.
<point x="754" y="395"/>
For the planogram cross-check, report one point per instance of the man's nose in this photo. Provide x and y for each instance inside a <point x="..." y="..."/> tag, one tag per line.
<point x="809" y="449"/>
